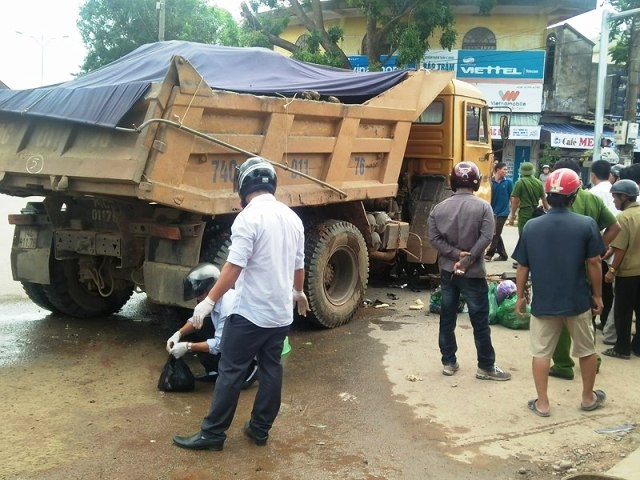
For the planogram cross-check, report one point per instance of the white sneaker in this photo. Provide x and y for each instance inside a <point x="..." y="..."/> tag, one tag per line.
<point x="495" y="373"/>
<point x="449" y="370"/>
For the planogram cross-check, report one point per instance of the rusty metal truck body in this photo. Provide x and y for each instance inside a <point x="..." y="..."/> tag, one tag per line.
<point x="137" y="205"/>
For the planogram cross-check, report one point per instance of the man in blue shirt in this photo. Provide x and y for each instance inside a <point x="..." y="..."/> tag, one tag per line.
<point x="501" y="188"/>
<point x="562" y="251"/>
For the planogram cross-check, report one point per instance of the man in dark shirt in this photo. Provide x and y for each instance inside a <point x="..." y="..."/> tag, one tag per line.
<point x="560" y="249"/>
<point x="460" y="228"/>
<point x="501" y="188"/>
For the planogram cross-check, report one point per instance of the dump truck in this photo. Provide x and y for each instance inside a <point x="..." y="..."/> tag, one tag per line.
<point x="135" y="174"/>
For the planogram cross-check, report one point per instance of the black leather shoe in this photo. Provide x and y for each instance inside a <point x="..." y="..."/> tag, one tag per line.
<point x="198" y="442"/>
<point x="259" y="438"/>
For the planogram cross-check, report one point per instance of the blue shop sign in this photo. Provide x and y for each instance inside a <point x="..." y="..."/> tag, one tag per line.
<point x="501" y="64"/>
<point x="360" y="63"/>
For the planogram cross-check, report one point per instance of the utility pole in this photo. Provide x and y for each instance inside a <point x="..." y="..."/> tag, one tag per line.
<point x="602" y="74"/>
<point x="160" y="6"/>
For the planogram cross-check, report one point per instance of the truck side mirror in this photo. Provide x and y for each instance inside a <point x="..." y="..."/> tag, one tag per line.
<point x="504" y="127"/>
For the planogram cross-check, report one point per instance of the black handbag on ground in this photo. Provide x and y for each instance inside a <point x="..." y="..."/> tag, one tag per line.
<point x="176" y="376"/>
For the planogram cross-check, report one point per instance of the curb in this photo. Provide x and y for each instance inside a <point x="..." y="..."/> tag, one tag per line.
<point x="629" y="467"/>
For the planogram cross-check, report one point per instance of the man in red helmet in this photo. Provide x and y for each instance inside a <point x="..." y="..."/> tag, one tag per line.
<point x="461" y="228"/>
<point x="561" y="250"/>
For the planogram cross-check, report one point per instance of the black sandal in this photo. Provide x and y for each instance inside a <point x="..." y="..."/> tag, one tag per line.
<point x="611" y="352"/>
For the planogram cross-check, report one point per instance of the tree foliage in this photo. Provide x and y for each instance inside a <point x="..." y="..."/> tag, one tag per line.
<point x="620" y="31"/>
<point x="112" y="28"/>
<point x="402" y="27"/>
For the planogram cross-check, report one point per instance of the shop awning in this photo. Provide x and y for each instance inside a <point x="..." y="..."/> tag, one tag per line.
<point x="569" y="135"/>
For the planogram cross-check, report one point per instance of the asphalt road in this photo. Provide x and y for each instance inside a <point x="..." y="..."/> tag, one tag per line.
<point x="363" y="401"/>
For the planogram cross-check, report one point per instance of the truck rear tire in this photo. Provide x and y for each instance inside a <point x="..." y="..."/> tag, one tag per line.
<point x="71" y="297"/>
<point x="337" y="265"/>
<point x="37" y="295"/>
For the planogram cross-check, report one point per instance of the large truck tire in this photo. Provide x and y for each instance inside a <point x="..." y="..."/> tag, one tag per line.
<point x="215" y="245"/>
<point x="71" y="297"/>
<point x="37" y="295"/>
<point x="337" y="265"/>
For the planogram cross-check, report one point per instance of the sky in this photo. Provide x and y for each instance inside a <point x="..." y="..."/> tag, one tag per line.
<point x="49" y="49"/>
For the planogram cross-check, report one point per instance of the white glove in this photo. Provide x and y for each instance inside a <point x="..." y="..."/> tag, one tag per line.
<point x="179" y="349"/>
<point x="301" y="302"/>
<point x="173" y="339"/>
<point x="203" y="309"/>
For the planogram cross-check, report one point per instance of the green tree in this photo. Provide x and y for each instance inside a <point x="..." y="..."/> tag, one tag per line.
<point x="393" y="26"/>
<point x="112" y="28"/>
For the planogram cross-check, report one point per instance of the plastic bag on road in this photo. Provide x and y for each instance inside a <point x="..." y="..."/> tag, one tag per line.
<point x="176" y="376"/>
<point x="508" y="317"/>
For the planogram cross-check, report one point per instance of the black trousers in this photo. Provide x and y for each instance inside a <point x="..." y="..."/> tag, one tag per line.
<point x="627" y="301"/>
<point x="497" y="244"/>
<point x="607" y="295"/>
<point x="241" y="342"/>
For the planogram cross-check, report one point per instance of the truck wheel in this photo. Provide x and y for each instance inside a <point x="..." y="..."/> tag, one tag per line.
<point x="337" y="266"/>
<point x="36" y="294"/>
<point x="215" y="246"/>
<point x="73" y="297"/>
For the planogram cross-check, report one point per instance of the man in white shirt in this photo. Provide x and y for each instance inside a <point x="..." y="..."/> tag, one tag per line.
<point x="600" y="187"/>
<point x="266" y="264"/>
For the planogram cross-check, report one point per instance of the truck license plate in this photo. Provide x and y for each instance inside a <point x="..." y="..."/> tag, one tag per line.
<point x="28" y="238"/>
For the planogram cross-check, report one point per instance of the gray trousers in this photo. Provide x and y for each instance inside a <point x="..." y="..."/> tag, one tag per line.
<point x="241" y="342"/>
<point x="609" y="334"/>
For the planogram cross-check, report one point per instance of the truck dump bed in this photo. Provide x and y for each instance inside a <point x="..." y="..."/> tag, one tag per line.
<point x="168" y="144"/>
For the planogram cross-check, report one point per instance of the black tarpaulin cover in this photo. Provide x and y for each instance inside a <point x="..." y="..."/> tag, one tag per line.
<point x="103" y="97"/>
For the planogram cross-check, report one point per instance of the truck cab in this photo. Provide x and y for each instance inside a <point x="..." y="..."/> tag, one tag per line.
<point x="453" y="128"/>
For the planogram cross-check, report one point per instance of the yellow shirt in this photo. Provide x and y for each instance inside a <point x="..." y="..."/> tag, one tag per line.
<point x="629" y="240"/>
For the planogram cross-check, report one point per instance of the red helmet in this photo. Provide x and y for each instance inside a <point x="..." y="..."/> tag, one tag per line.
<point x="465" y="175"/>
<point x="563" y="181"/>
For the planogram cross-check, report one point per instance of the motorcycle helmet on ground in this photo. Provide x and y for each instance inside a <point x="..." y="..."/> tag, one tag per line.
<point x="625" y="187"/>
<point x="563" y="181"/>
<point x="199" y="280"/>
<point x="465" y="175"/>
<point x="253" y="175"/>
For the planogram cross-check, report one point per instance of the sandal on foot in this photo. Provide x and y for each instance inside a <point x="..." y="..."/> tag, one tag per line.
<point x="611" y="352"/>
<point x="597" y="403"/>
<point x="533" y="406"/>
